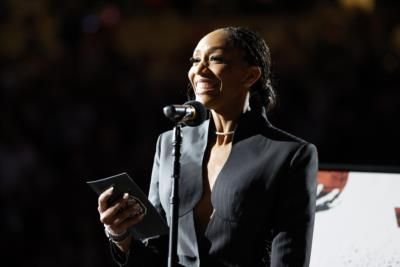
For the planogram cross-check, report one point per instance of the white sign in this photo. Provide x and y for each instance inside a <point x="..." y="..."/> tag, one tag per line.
<point x="357" y="222"/>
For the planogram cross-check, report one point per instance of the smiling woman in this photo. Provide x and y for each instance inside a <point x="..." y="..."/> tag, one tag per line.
<point x="219" y="76"/>
<point x="235" y="47"/>
<point x="248" y="189"/>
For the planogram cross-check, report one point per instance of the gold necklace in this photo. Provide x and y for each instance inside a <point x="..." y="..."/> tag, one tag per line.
<point x="225" y="133"/>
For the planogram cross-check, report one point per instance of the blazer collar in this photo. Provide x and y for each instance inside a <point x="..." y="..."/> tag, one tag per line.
<point x="194" y="144"/>
<point x="249" y="124"/>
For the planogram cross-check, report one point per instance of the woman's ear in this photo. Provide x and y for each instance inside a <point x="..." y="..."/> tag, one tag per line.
<point x="253" y="74"/>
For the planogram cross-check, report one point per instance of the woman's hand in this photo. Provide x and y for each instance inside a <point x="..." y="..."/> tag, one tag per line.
<point x="119" y="216"/>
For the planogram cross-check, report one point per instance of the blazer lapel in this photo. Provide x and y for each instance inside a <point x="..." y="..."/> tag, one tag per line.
<point x="191" y="181"/>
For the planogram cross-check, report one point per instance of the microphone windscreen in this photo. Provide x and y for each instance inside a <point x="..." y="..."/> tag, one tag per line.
<point x="201" y="113"/>
<point x="169" y="111"/>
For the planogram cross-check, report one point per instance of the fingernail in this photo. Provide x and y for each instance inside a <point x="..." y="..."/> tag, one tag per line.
<point x="126" y="195"/>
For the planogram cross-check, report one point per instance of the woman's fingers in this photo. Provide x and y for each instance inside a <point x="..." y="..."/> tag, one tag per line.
<point x="132" y="211"/>
<point x="102" y="200"/>
<point x="130" y="221"/>
<point x="108" y="216"/>
<point x="132" y="214"/>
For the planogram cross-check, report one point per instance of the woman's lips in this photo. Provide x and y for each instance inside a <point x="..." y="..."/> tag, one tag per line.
<point x="206" y="86"/>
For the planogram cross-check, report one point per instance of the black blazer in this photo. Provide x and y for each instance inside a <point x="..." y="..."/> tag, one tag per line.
<point x="264" y="198"/>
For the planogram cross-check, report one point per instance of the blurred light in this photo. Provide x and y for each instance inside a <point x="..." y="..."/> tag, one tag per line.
<point x="395" y="39"/>
<point x="155" y="3"/>
<point x="110" y="16"/>
<point x="366" y="5"/>
<point x="90" y="24"/>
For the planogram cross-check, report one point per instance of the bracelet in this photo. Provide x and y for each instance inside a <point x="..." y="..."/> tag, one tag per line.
<point x="116" y="237"/>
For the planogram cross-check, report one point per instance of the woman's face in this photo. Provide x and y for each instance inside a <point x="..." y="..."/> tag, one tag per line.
<point x="219" y="75"/>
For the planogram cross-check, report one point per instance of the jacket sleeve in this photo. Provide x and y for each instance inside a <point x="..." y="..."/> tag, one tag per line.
<point x="293" y="231"/>
<point x="150" y="252"/>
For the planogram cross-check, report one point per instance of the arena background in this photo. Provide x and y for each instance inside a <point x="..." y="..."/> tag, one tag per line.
<point x="83" y="83"/>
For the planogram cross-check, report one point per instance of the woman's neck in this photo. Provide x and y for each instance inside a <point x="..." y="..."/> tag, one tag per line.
<point x="225" y="120"/>
<point x="225" y="127"/>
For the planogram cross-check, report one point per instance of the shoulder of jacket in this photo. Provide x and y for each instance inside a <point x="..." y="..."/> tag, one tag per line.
<point x="281" y="135"/>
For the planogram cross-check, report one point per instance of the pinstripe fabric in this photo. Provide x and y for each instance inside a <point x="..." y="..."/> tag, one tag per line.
<point x="264" y="196"/>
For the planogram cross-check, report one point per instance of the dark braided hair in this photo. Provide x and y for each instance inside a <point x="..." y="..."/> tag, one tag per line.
<point x="256" y="53"/>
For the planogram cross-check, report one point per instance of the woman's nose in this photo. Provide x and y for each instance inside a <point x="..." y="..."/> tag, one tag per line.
<point x="201" y="67"/>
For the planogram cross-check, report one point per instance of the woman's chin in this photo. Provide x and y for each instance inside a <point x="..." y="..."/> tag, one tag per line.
<point x="206" y="100"/>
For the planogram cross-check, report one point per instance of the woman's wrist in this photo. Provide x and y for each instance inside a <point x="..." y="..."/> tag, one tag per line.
<point x="124" y="245"/>
<point x="116" y="237"/>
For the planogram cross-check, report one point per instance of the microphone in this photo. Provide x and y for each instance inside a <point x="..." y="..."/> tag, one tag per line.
<point x="191" y="113"/>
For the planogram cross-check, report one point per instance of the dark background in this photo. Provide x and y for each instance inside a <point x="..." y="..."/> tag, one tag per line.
<point x="83" y="83"/>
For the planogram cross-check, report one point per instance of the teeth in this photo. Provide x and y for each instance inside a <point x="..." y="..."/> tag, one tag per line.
<point x="204" y="85"/>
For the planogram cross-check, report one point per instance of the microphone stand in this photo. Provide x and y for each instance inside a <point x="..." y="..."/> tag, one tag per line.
<point x="174" y="198"/>
<point x="192" y="113"/>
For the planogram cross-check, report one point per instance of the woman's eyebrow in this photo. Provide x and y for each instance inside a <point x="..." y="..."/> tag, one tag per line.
<point x="211" y="49"/>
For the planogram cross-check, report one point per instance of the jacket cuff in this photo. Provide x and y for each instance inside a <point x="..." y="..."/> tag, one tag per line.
<point x="118" y="256"/>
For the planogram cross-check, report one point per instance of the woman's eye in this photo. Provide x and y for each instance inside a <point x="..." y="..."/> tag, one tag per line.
<point x="217" y="58"/>
<point x="194" y="60"/>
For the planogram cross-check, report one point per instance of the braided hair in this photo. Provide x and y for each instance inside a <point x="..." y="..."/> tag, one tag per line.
<point x="256" y="53"/>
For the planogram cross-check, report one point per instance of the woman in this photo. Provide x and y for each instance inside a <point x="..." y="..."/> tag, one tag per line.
<point x="247" y="189"/>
